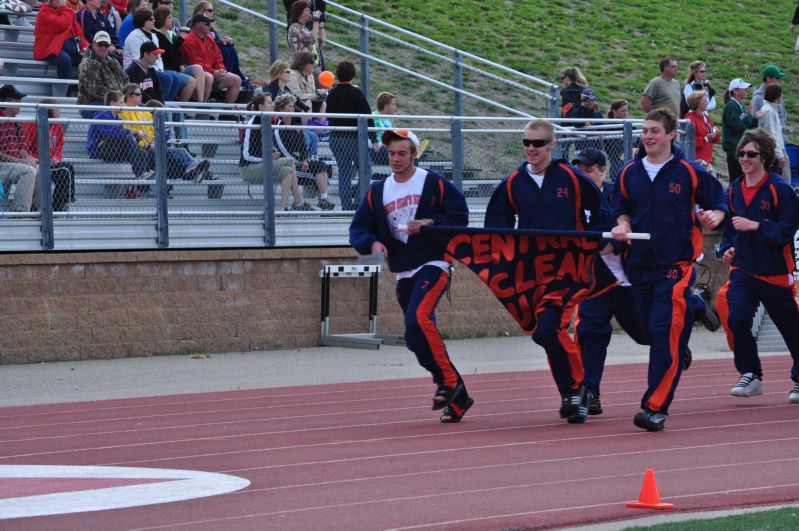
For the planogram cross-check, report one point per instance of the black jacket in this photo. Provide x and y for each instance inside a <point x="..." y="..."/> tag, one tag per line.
<point x="147" y="81"/>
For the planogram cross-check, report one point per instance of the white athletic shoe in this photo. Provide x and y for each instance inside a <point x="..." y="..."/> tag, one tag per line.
<point x="793" y="396"/>
<point x="748" y="385"/>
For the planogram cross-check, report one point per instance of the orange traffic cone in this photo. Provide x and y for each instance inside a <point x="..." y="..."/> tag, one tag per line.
<point x="650" y="498"/>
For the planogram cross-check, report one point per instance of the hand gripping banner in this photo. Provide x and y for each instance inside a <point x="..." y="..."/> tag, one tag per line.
<point x="529" y="269"/>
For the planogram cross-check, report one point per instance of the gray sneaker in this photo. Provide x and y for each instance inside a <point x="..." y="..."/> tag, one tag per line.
<point x="302" y="206"/>
<point x="748" y="385"/>
<point x="793" y="396"/>
<point x="21" y="22"/>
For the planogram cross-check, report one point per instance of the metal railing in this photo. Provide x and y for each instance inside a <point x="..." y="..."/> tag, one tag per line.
<point x="198" y="192"/>
<point x="374" y="47"/>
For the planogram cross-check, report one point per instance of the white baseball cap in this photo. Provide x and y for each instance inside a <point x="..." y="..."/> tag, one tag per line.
<point x="738" y="83"/>
<point x="388" y="134"/>
<point x="102" y="36"/>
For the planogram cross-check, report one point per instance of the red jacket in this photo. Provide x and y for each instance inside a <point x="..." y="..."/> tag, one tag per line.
<point x="203" y="52"/>
<point x="704" y="148"/>
<point x="53" y="27"/>
<point x="31" y="133"/>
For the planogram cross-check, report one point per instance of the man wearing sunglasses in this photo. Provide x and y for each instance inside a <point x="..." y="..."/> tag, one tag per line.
<point x="550" y="194"/>
<point x="98" y="74"/>
<point x="199" y="48"/>
<point x="657" y="193"/>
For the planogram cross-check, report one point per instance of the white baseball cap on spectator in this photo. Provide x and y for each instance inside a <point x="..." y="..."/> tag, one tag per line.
<point x="738" y="83"/>
<point x="388" y="134"/>
<point x="102" y="36"/>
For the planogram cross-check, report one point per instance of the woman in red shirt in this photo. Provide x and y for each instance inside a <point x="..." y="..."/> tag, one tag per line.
<point x="58" y="37"/>
<point x="707" y="134"/>
<point x="62" y="173"/>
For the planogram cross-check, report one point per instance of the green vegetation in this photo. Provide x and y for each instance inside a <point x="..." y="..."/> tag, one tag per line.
<point x="787" y="518"/>
<point x="616" y="44"/>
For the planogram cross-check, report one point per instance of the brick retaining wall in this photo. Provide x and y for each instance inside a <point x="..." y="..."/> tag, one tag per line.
<point x="70" y="306"/>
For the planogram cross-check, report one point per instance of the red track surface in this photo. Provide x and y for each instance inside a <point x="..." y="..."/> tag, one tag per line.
<point x="372" y="455"/>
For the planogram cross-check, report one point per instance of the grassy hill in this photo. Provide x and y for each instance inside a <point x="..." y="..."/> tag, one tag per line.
<point x="616" y="44"/>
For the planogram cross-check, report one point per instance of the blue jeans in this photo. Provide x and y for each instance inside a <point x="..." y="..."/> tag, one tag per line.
<point x="180" y="132"/>
<point x="176" y="83"/>
<point x="177" y="160"/>
<point x="66" y="59"/>
<point x="345" y="150"/>
<point x="312" y="141"/>
<point x="165" y="80"/>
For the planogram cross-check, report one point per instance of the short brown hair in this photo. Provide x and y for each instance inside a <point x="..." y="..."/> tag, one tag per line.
<point x="665" y="116"/>
<point x="772" y="93"/>
<point x="765" y="143"/>
<point x="296" y="10"/>
<point x="383" y="99"/>
<point x="160" y="15"/>
<point x="112" y="96"/>
<point x="300" y="60"/>
<point x="141" y="16"/>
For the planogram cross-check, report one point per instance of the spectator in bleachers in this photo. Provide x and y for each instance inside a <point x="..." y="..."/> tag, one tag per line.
<point x="664" y="90"/>
<point x="230" y="55"/>
<point x="734" y="122"/>
<point x="173" y="60"/>
<point x="291" y="143"/>
<point x="92" y="20"/>
<point x="301" y="83"/>
<point x="770" y="122"/>
<point x="127" y="23"/>
<point x="697" y="80"/>
<point x="114" y="143"/>
<point x="198" y="48"/>
<point x="706" y="133"/>
<point x="251" y="163"/>
<point x="574" y="83"/>
<point x="58" y="38"/>
<point x="98" y="74"/>
<point x="321" y="7"/>
<point x="176" y="86"/>
<point x="588" y="109"/>
<point x="771" y="75"/>
<point x="300" y="38"/>
<point x="346" y="98"/>
<point x="62" y="173"/>
<point x="180" y="164"/>
<point x="613" y="143"/>
<point x="111" y="13"/>
<point x="174" y="24"/>
<point x="142" y="72"/>
<point x="20" y="8"/>
<point x="386" y="105"/>
<point x="279" y="78"/>
<point x="16" y="164"/>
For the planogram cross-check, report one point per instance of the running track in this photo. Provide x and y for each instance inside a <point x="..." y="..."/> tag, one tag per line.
<point x="372" y="455"/>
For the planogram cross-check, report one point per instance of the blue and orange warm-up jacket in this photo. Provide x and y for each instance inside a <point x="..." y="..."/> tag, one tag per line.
<point x="665" y="208"/>
<point x="567" y="200"/>
<point x="440" y="201"/>
<point x="767" y="251"/>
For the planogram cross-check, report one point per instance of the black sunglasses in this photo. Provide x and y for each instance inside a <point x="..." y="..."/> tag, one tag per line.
<point x="538" y="143"/>
<point x="136" y="93"/>
<point x="103" y="44"/>
<point x="748" y="154"/>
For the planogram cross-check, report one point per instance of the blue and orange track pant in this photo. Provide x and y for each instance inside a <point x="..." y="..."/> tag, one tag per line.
<point x="593" y="329"/>
<point x="737" y="303"/>
<point x="661" y="295"/>
<point x="551" y="332"/>
<point x="418" y="297"/>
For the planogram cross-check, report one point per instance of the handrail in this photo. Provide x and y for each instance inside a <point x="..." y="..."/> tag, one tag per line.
<point x="450" y="60"/>
<point x="415" y="74"/>
<point x="528" y="77"/>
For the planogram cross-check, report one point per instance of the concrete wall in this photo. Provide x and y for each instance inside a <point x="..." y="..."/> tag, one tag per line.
<point x="69" y="306"/>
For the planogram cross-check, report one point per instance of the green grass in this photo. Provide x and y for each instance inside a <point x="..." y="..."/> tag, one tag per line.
<point x="616" y="44"/>
<point x="778" y="519"/>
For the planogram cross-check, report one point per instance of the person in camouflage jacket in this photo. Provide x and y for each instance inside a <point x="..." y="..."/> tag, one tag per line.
<point x="98" y="74"/>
